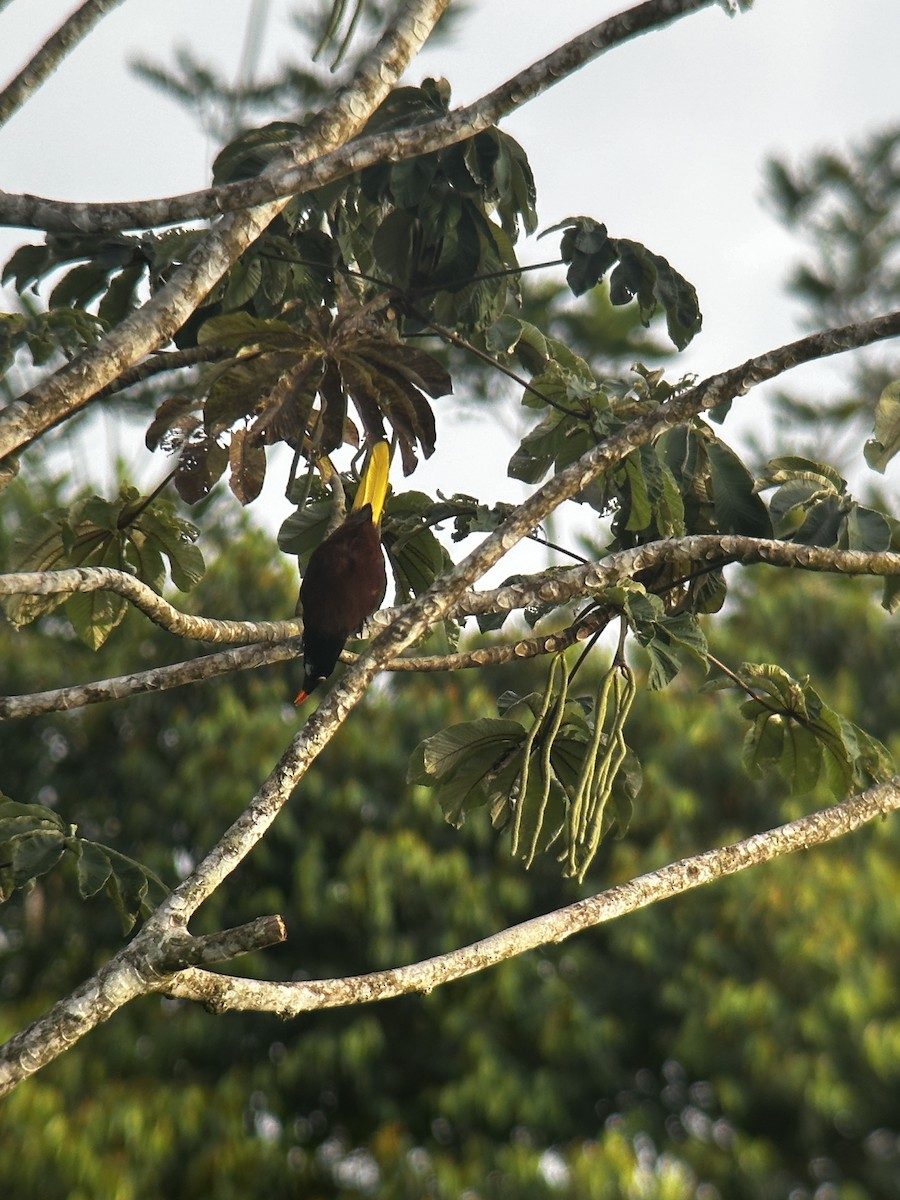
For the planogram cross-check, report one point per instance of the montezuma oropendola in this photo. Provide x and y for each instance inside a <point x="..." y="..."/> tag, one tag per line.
<point x="345" y="580"/>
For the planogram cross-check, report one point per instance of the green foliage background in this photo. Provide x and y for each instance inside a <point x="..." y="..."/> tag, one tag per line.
<point x="745" y="1036"/>
<point x="740" y="1042"/>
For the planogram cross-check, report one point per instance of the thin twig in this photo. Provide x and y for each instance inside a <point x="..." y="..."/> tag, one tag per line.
<point x="456" y="340"/>
<point x="51" y="54"/>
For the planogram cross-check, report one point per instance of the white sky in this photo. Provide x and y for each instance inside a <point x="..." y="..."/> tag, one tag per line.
<point x="664" y="139"/>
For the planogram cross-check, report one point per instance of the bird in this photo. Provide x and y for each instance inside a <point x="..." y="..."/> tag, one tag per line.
<point x="345" y="580"/>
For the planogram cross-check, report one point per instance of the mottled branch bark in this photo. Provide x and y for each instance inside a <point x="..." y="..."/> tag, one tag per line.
<point x="157" y="679"/>
<point x="154" y="324"/>
<point x="51" y="54"/>
<point x="292" y="175"/>
<point x="141" y="966"/>
<point x="150" y="603"/>
<point x="290" y="999"/>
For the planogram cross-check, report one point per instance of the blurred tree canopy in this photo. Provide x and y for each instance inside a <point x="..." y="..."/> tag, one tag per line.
<point x="741" y="1041"/>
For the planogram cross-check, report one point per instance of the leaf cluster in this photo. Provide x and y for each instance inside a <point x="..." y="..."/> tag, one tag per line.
<point x="569" y="775"/>
<point x="794" y="733"/>
<point x="33" y="840"/>
<point x="811" y="504"/>
<point x="639" y="275"/>
<point x="147" y="539"/>
<point x="44" y="335"/>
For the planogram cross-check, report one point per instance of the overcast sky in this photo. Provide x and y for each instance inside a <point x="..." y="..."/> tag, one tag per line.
<point x="664" y="139"/>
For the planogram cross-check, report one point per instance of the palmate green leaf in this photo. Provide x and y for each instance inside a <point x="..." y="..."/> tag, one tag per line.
<point x="305" y="528"/>
<point x="100" y="532"/>
<point x="557" y="441"/>
<point x="640" y="275"/>
<point x="242" y="282"/>
<point x="128" y="886"/>
<point x="640" y="510"/>
<point x="64" y="331"/>
<point x="666" y="639"/>
<point x="416" y="556"/>
<point x="885" y="442"/>
<point x="458" y="762"/>
<point x="510" y="335"/>
<point x="94" y="615"/>
<point x="812" y="506"/>
<point x="94" y="262"/>
<point x="241" y="332"/>
<point x="800" y="754"/>
<point x="38" y="546"/>
<point x="794" y="733"/>
<point x="33" y="854"/>
<point x="445" y="752"/>
<point x="16" y="819"/>
<point x="664" y="663"/>
<point x="763" y="743"/>
<point x="92" y="866"/>
<point x="121" y="296"/>
<point x="79" y="287"/>
<point x="822" y="523"/>
<point x="145" y="559"/>
<point x="790" y="467"/>
<point x="171" y="535"/>
<point x="588" y="249"/>
<point x="33" y="839"/>
<point x="26" y="266"/>
<point x="864" y="529"/>
<point x="774" y="681"/>
<point x="738" y="507"/>
<point x="252" y="150"/>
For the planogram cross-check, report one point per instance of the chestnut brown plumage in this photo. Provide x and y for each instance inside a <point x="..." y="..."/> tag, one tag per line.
<point x="345" y="580"/>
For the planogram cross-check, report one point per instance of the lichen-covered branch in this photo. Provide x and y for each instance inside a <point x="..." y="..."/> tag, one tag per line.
<point x="47" y="59"/>
<point x="157" y="679"/>
<point x="684" y="555"/>
<point x="298" y="176"/>
<point x="289" y="999"/>
<point x="154" y="324"/>
<point x="140" y="967"/>
<point x="150" y="603"/>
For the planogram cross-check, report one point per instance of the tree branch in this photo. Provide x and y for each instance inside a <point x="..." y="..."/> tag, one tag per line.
<point x="156" y="364"/>
<point x="154" y="324"/>
<point x="184" y="950"/>
<point x="157" y="679"/>
<point x="289" y="999"/>
<point x="300" y="176"/>
<point x="560" y="584"/>
<point x="51" y="54"/>
<point x="132" y="970"/>
<point x="439" y="600"/>
<point x="135" y="970"/>
<point x="150" y="603"/>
